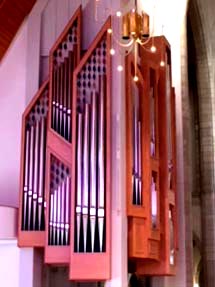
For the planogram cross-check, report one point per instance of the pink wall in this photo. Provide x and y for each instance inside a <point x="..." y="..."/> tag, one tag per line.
<point x="12" y="102"/>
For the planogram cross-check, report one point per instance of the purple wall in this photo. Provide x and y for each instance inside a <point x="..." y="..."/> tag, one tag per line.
<point x="12" y="102"/>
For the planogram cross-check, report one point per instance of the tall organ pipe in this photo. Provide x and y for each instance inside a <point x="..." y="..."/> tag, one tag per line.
<point x="67" y="210"/>
<point x="26" y="177"/>
<point x="30" y="190"/>
<point x="93" y="157"/>
<point x="85" y="172"/>
<point x="79" y="175"/>
<point x="41" y="172"/>
<point x="101" y="160"/>
<point x="35" y="179"/>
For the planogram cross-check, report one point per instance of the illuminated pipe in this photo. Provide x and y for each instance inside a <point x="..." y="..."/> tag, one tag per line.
<point x="35" y="188"/>
<point x="58" y="213"/>
<point x="30" y="190"/>
<point x="65" y="96"/>
<point x="136" y="155"/>
<point x="85" y="172"/>
<point x="41" y="172"/>
<point x="62" y="213"/>
<point x="79" y="175"/>
<point x="93" y="158"/>
<point x="54" y="87"/>
<point x="152" y="119"/>
<point x="69" y="98"/>
<point x="51" y="220"/>
<point x="171" y="236"/>
<point x="67" y="210"/>
<point x="135" y="143"/>
<point x="101" y="159"/>
<point x="153" y="202"/>
<point x="58" y="79"/>
<point x="26" y="177"/>
<point x="55" y="218"/>
<point x="139" y="165"/>
<point x="61" y="99"/>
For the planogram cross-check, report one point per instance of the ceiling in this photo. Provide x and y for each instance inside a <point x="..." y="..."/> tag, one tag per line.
<point x="12" y="14"/>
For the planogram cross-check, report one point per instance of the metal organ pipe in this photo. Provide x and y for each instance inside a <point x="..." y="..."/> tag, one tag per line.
<point x="62" y="215"/>
<point x="26" y="177"/>
<point x="30" y="176"/>
<point x="60" y="131"/>
<point x="57" y="98"/>
<point x="41" y="172"/>
<point x="101" y="160"/>
<point x="85" y="172"/>
<point x="59" y="216"/>
<point x="79" y="176"/>
<point x="67" y="210"/>
<point x="93" y="173"/>
<point x="65" y="96"/>
<point x="137" y="161"/>
<point x="35" y="179"/>
<point x="69" y="106"/>
<point x="54" y="92"/>
<point x="34" y="161"/>
<point x="139" y="165"/>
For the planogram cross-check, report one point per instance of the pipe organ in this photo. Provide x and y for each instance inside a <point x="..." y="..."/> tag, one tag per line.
<point x="32" y="176"/>
<point x="151" y="162"/>
<point x="65" y="181"/>
<point x="90" y="233"/>
<point x="64" y="58"/>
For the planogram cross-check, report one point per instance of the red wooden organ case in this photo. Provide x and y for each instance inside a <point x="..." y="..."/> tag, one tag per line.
<point x="64" y="58"/>
<point x="65" y="181"/>
<point x="65" y="161"/>
<point x="151" y="160"/>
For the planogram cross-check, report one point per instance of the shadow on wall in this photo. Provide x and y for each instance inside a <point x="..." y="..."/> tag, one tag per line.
<point x="58" y="276"/>
<point x="138" y="281"/>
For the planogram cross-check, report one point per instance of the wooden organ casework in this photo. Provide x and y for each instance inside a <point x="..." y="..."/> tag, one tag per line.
<point x="90" y="217"/>
<point x="31" y="227"/>
<point x="64" y="58"/>
<point x="151" y="161"/>
<point x="47" y="149"/>
<point x="65" y="166"/>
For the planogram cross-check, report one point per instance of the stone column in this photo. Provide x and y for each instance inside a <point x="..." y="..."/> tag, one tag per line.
<point x="207" y="170"/>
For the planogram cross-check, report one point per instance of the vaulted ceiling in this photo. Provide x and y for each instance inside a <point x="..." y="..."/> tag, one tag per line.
<point x="12" y="14"/>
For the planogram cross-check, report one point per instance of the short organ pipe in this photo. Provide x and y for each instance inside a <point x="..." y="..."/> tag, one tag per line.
<point x="59" y="200"/>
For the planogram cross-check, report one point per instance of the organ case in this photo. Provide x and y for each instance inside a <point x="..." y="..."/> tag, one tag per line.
<point x="90" y="202"/>
<point x="153" y="224"/>
<point x="64" y="57"/>
<point x="32" y="198"/>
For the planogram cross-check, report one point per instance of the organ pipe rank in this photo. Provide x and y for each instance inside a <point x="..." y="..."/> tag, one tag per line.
<point x="34" y="162"/>
<point x="90" y="177"/>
